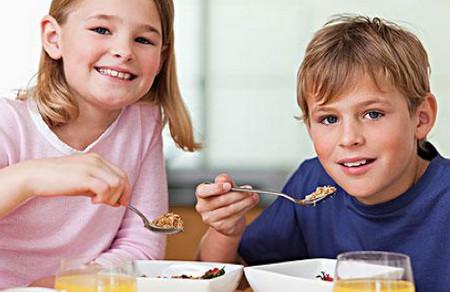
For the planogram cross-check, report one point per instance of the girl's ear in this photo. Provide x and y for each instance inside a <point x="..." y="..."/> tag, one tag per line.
<point x="164" y="57"/>
<point x="50" y="37"/>
<point x="426" y="116"/>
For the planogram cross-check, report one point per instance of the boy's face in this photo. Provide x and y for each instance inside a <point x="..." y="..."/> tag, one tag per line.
<point x="366" y="140"/>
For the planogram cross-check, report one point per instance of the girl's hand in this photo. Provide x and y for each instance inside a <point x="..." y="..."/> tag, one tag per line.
<point x="224" y="210"/>
<point x="84" y="174"/>
<point x="48" y="282"/>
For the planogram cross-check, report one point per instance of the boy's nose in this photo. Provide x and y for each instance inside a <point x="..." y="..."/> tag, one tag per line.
<point x="352" y="134"/>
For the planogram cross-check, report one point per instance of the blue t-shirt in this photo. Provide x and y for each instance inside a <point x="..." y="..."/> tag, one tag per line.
<point x="416" y="223"/>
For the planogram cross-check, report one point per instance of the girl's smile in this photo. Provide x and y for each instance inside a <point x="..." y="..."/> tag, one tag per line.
<point x="111" y="52"/>
<point x="116" y="73"/>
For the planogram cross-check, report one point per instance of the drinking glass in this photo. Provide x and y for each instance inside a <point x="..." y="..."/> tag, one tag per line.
<point x="373" y="271"/>
<point x="81" y="275"/>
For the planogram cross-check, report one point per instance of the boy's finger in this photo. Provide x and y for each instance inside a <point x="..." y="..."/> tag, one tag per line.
<point x="223" y="200"/>
<point x="237" y="208"/>
<point x="206" y="190"/>
<point x="224" y="178"/>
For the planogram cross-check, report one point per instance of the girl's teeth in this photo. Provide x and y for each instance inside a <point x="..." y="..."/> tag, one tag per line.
<point x="356" y="163"/>
<point x="113" y="73"/>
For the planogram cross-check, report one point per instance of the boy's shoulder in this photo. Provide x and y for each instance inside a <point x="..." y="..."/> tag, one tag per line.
<point x="311" y="165"/>
<point x="441" y="166"/>
<point x="308" y="175"/>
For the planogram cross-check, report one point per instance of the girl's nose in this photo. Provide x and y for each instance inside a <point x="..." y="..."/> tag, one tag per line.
<point x="121" y="49"/>
<point x="352" y="134"/>
<point x="126" y="55"/>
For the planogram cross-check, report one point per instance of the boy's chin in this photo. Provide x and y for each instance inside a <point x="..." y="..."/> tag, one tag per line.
<point x="362" y="193"/>
<point x="366" y="196"/>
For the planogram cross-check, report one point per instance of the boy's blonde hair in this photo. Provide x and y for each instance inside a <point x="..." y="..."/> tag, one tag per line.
<point x="57" y="106"/>
<point x="350" y="46"/>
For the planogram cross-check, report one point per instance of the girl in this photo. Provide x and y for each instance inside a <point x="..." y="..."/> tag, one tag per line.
<point x="91" y="127"/>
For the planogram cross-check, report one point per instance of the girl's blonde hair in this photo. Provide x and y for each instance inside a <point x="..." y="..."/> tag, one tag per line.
<point x="349" y="46"/>
<point x="57" y="106"/>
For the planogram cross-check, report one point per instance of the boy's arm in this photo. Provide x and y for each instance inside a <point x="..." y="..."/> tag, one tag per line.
<point x="216" y="247"/>
<point x="224" y="212"/>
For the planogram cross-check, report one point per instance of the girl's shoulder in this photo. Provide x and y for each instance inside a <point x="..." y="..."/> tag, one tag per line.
<point x="143" y="110"/>
<point x="142" y="116"/>
<point x="13" y="111"/>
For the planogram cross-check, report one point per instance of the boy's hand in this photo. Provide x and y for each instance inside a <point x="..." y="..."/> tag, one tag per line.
<point x="224" y="210"/>
<point x="84" y="174"/>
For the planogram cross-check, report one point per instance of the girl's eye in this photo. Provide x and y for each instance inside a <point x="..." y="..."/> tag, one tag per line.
<point x="328" y="120"/>
<point x="373" y="115"/>
<point x="143" y="41"/>
<point x="101" y="30"/>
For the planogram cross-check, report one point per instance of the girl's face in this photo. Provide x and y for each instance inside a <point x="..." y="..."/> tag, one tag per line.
<point x="366" y="141"/>
<point x="111" y="51"/>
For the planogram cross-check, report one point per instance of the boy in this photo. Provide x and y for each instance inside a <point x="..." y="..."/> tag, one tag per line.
<point x="363" y="89"/>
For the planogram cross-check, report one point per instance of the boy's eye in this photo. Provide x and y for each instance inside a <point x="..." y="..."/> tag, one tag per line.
<point x="373" y="115"/>
<point x="143" y="41"/>
<point x="328" y="120"/>
<point x="101" y="30"/>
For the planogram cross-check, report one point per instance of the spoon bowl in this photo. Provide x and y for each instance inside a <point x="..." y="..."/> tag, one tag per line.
<point x="162" y="230"/>
<point x="150" y="225"/>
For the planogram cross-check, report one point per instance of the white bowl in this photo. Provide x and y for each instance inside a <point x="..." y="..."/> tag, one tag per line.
<point x="292" y="276"/>
<point x="155" y="270"/>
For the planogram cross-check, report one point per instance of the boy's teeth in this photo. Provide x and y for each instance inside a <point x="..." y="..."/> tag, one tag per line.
<point x="113" y="73"/>
<point x="356" y="163"/>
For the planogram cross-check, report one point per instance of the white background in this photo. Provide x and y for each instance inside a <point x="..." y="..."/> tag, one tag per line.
<point x="246" y="69"/>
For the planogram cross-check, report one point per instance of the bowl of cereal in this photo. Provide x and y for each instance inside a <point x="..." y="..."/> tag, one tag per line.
<point x="312" y="275"/>
<point x="172" y="276"/>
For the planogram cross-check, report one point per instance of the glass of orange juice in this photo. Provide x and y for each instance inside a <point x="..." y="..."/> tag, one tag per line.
<point x="82" y="275"/>
<point x="373" y="271"/>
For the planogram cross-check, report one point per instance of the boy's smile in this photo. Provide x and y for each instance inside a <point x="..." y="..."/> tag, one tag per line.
<point x="356" y="165"/>
<point x="366" y="140"/>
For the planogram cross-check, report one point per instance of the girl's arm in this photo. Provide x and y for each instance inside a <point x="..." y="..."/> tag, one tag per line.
<point x="13" y="188"/>
<point x="76" y="175"/>
<point x="150" y="196"/>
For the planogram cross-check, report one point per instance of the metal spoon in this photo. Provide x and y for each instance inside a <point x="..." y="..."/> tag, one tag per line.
<point x="152" y="227"/>
<point x="310" y="200"/>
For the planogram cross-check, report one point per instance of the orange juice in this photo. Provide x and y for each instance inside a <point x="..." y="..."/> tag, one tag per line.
<point x="94" y="283"/>
<point x="368" y="285"/>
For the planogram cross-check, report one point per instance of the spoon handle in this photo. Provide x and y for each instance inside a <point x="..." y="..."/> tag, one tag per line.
<point x="146" y="221"/>
<point x="238" y="189"/>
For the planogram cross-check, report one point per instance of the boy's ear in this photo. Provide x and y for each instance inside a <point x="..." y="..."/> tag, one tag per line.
<point x="426" y="116"/>
<point x="50" y="37"/>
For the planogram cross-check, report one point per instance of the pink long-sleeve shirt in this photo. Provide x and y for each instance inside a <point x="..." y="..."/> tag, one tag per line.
<point x="41" y="231"/>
